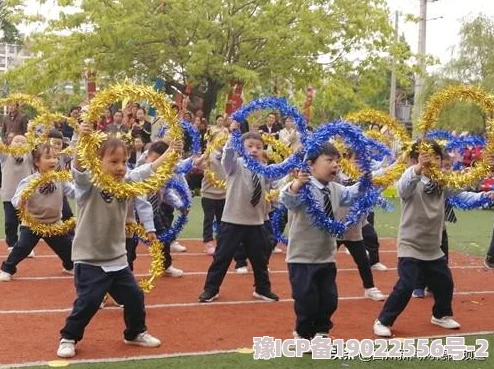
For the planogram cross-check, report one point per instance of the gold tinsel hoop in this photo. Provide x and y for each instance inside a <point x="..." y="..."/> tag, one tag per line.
<point x="398" y="130"/>
<point x="156" y="269"/>
<point x="281" y="149"/>
<point x="87" y="145"/>
<point x="435" y="105"/>
<point x="43" y="229"/>
<point x="214" y="144"/>
<point x="47" y="122"/>
<point x="22" y="99"/>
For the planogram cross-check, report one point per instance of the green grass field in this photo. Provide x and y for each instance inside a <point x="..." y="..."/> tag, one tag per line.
<point x="471" y="235"/>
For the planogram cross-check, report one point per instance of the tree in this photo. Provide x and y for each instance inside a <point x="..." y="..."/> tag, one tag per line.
<point x="205" y="44"/>
<point x="10" y="33"/>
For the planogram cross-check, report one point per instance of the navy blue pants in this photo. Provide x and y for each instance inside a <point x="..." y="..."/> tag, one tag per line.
<point x="255" y="240"/>
<point x="240" y="256"/>
<point x="439" y="278"/>
<point x="212" y="209"/>
<point x="316" y="297"/>
<point x="131" y="246"/>
<point x="357" y="250"/>
<point x="490" y="252"/>
<point x="421" y="281"/>
<point x="61" y="245"/>
<point x="92" y="284"/>
<point x="11" y="224"/>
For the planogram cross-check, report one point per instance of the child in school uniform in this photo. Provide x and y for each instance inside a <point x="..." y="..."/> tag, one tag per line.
<point x="242" y="221"/>
<point x="45" y="206"/>
<point x="311" y="251"/>
<point x="99" y="252"/>
<point x="14" y="170"/>
<point x="419" y="241"/>
<point x="212" y="200"/>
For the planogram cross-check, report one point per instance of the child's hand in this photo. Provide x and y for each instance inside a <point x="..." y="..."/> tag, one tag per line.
<point x="184" y="211"/>
<point x="199" y="160"/>
<point x="177" y="146"/>
<point x="85" y="128"/>
<point x="424" y="160"/>
<point x="234" y="125"/>
<point x="151" y="236"/>
<point x="302" y="178"/>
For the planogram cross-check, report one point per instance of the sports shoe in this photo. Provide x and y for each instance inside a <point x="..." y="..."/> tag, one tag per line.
<point x="266" y="296"/>
<point x="242" y="270"/>
<point x="68" y="271"/>
<point x="209" y="247"/>
<point x="445" y="322"/>
<point x="5" y="277"/>
<point x="31" y="254"/>
<point x="418" y="293"/>
<point x="374" y="294"/>
<point x="207" y="296"/>
<point x="144" y="339"/>
<point x="66" y="348"/>
<point x="381" y="330"/>
<point x="489" y="262"/>
<point x="379" y="267"/>
<point x="173" y="272"/>
<point x="9" y="250"/>
<point x="175" y="246"/>
<point x="277" y="250"/>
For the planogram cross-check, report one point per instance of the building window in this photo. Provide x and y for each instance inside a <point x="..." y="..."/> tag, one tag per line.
<point x="12" y="49"/>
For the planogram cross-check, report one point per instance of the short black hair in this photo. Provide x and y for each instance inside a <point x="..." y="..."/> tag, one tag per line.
<point x="74" y="108"/>
<point x="414" y="154"/>
<point x="55" y="133"/>
<point x="157" y="147"/>
<point x="219" y="116"/>
<point x="252" y="136"/>
<point x="327" y="148"/>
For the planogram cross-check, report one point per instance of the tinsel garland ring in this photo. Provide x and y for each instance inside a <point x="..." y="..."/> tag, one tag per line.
<point x="39" y="228"/>
<point x="87" y="145"/>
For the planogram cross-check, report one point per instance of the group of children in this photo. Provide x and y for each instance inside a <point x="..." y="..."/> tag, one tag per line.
<point x="102" y="262"/>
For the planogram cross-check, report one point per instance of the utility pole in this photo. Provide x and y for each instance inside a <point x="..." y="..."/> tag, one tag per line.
<point x="419" y="78"/>
<point x="392" y="95"/>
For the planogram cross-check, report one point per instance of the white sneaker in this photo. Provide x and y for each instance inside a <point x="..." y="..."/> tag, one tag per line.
<point x="446" y="322"/>
<point x="379" y="267"/>
<point x="66" y="348"/>
<point x="175" y="246"/>
<point x="381" y="330"/>
<point x="242" y="270"/>
<point x="173" y="272"/>
<point x="31" y="254"/>
<point x="374" y="294"/>
<point x="277" y="250"/>
<point x="67" y="271"/>
<point x="347" y="251"/>
<point x="9" y="250"/>
<point x="5" y="277"/>
<point x="144" y="339"/>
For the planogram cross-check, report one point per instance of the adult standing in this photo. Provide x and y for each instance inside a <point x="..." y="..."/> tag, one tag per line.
<point x="14" y="123"/>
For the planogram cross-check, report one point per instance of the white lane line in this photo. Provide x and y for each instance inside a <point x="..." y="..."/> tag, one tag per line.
<point x="199" y="353"/>
<point x="140" y="275"/>
<point x="199" y="304"/>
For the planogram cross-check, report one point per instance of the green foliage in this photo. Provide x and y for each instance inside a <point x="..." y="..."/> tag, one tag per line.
<point x="208" y="43"/>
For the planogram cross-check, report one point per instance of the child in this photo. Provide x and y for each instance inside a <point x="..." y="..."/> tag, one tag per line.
<point x="45" y="206"/>
<point x="14" y="169"/>
<point x="419" y="240"/>
<point x="242" y="221"/>
<point x="99" y="254"/>
<point x="137" y="151"/>
<point x="311" y="252"/>
<point x="212" y="200"/>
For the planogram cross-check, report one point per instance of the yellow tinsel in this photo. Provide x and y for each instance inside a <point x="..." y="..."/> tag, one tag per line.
<point x="378" y="136"/>
<point x="47" y="121"/>
<point x="43" y="229"/>
<point x="213" y="181"/>
<point x="272" y="195"/>
<point x="214" y="144"/>
<point x="429" y="118"/>
<point x="283" y="150"/>
<point x="24" y="99"/>
<point x="156" y="269"/>
<point x="87" y="146"/>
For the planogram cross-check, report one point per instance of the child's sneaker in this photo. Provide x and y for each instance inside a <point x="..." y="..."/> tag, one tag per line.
<point x="266" y="296"/>
<point x="31" y="254"/>
<point x="66" y="348"/>
<point x="242" y="270"/>
<point x="144" y="339"/>
<point x="489" y="262"/>
<point x="9" y="250"/>
<point x="418" y="293"/>
<point x="175" y="246"/>
<point x="374" y="294"/>
<point x="277" y="250"/>
<point x="381" y="329"/>
<point x="209" y="247"/>
<point x="68" y="271"/>
<point x="445" y="322"/>
<point x="379" y="267"/>
<point x="207" y="296"/>
<point x="5" y="277"/>
<point x="173" y="272"/>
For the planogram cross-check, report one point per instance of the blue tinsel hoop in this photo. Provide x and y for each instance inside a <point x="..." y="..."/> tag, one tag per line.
<point x="362" y="145"/>
<point x="183" y="191"/>
<point x="272" y="171"/>
<point x="276" y="217"/>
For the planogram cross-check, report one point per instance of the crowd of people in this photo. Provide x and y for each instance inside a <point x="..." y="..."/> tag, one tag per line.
<point x="102" y="261"/>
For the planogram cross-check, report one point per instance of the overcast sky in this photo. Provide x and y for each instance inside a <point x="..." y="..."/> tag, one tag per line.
<point x="442" y="34"/>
